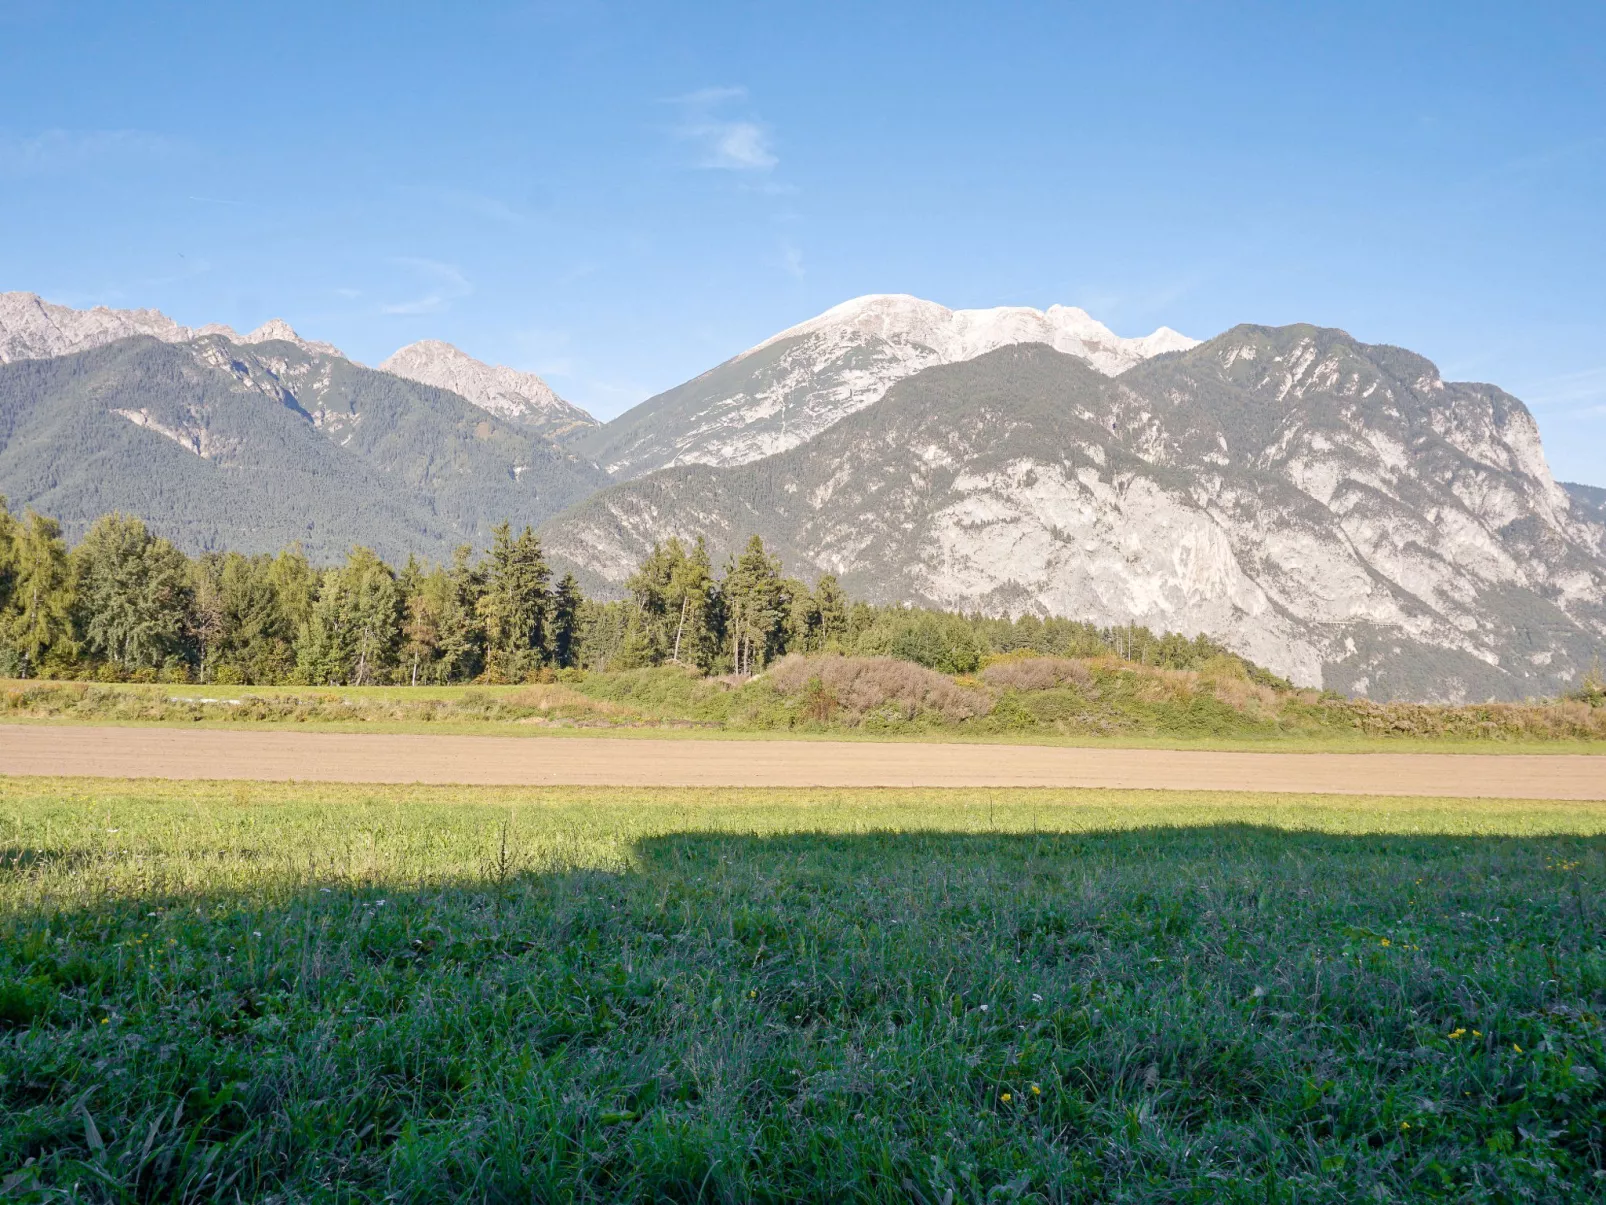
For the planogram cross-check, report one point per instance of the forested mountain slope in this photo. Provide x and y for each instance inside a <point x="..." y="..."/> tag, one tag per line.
<point x="1331" y="509"/>
<point x="220" y="445"/>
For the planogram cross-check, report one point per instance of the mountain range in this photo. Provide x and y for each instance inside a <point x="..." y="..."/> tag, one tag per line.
<point x="1332" y="509"/>
<point x="252" y="442"/>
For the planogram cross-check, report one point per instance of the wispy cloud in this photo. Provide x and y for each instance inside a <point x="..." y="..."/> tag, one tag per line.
<point x="54" y="151"/>
<point x="1581" y="392"/>
<point x="792" y="260"/>
<point x="446" y="284"/>
<point x="478" y="204"/>
<point x="723" y="141"/>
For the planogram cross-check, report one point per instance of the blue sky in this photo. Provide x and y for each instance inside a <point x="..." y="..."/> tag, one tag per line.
<point x="620" y="196"/>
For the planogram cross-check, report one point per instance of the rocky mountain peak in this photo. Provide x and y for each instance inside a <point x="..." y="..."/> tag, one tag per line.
<point x="520" y="397"/>
<point x="797" y="383"/>
<point x="277" y="330"/>
<point x="32" y="328"/>
<point x="956" y="335"/>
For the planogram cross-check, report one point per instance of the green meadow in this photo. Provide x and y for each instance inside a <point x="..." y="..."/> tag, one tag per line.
<point x="263" y="992"/>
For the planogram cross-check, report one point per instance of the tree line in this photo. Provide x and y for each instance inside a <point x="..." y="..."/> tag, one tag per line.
<point x="126" y="605"/>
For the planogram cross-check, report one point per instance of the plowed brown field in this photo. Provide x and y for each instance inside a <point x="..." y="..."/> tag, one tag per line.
<point x="600" y="761"/>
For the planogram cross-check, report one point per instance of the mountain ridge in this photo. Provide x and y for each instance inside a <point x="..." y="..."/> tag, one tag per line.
<point x="1332" y="509"/>
<point x="508" y="393"/>
<point x="32" y="328"/>
<point x="788" y="388"/>
<point x="219" y="445"/>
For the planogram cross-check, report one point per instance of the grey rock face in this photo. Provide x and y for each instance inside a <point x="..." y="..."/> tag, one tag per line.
<point x="34" y="329"/>
<point x="1333" y="510"/>
<point x="520" y="397"/>
<point x="796" y="384"/>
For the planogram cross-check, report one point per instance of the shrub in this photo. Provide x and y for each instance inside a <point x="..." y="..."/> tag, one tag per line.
<point x="1036" y="673"/>
<point x="853" y="687"/>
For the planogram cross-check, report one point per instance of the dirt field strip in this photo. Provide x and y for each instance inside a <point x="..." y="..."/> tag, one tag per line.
<point x="109" y="752"/>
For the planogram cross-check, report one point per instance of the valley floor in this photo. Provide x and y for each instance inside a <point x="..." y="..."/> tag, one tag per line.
<point x="286" y="992"/>
<point x="133" y="752"/>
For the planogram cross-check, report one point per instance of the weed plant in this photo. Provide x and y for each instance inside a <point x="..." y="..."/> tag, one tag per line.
<point x="232" y="991"/>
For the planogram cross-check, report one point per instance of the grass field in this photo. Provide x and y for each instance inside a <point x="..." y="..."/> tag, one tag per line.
<point x="262" y="992"/>
<point x="1042" y="701"/>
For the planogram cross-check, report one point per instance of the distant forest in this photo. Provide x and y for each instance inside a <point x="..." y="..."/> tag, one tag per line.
<point x="126" y="605"/>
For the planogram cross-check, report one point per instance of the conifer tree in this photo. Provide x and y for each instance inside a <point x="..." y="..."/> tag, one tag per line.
<point x="831" y="611"/>
<point x="461" y="643"/>
<point x="8" y="555"/>
<point x="755" y="604"/>
<point x="563" y="628"/>
<point x="38" y="617"/>
<point x="351" y="635"/>
<point x="514" y="605"/>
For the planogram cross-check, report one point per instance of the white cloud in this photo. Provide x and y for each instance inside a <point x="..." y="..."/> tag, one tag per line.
<point x="723" y="142"/>
<point x="448" y="285"/>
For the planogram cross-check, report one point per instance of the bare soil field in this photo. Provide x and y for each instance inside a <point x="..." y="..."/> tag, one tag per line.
<point x="120" y="752"/>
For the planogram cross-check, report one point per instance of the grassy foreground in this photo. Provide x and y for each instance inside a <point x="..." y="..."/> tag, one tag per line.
<point x="270" y="992"/>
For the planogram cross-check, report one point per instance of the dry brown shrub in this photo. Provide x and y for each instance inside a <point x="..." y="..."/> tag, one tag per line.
<point x="555" y="696"/>
<point x="1563" y="720"/>
<point x="1037" y="673"/>
<point x="1165" y="685"/>
<point x="860" y="685"/>
<point x="1240" y="693"/>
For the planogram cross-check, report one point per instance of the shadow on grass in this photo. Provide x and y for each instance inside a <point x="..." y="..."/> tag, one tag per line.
<point x="1225" y="1012"/>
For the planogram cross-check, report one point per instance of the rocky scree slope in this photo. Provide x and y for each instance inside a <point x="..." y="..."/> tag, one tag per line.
<point x="794" y="385"/>
<point x="248" y="447"/>
<point x="1332" y="510"/>
<point x="518" y="397"/>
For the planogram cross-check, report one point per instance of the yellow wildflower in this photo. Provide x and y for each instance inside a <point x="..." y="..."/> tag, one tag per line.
<point x="1517" y="1048"/>
<point x="1477" y="1033"/>
<point x="1456" y="1034"/>
<point x="1385" y="941"/>
<point x="1405" y="1125"/>
<point x="1036" y="1091"/>
<point x="1006" y="1098"/>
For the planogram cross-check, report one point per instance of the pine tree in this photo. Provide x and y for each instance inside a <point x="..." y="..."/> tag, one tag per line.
<point x="831" y="608"/>
<point x="351" y="635"/>
<point x="514" y="606"/>
<point x="38" y="618"/>
<point x="563" y="628"/>
<point x="756" y="604"/>
<point x="672" y="593"/>
<point x="461" y="648"/>
<point x="8" y="555"/>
